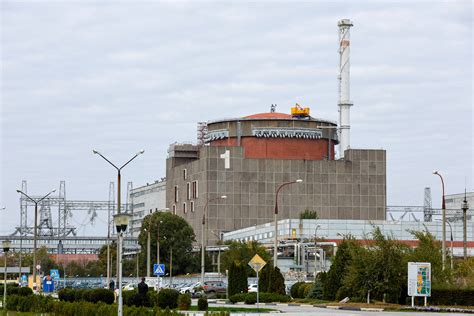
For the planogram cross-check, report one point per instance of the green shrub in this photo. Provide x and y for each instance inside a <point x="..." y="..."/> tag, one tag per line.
<point x="168" y="298"/>
<point x="294" y="289"/>
<point x="250" y="298"/>
<point x="237" y="298"/>
<point x="452" y="296"/>
<point x="184" y="302"/>
<point x="15" y="290"/>
<point x="93" y="295"/>
<point x="202" y="304"/>
<point x="32" y="303"/>
<point x="316" y="290"/>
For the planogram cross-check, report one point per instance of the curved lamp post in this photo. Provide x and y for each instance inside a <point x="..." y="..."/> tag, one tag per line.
<point x="6" y="248"/>
<point x="35" y="229"/>
<point x="203" y="246"/>
<point x="121" y="222"/>
<point x="275" y="249"/>
<point x="118" y="202"/>
<point x="443" y="206"/>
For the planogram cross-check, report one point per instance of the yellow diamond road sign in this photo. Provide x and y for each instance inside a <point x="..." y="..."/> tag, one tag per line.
<point x="257" y="263"/>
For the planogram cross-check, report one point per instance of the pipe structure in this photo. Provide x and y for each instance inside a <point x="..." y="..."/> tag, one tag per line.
<point x="344" y="85"/>
<point x="275" y="249"/>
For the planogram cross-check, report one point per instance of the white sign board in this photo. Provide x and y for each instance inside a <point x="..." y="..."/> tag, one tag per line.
<point x="419" y="279"/>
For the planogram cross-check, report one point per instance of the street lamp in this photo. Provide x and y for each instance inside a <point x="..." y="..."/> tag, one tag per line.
<point x="6" y="247"/>
<point x="35" y="234"/>
<point x="464" y="207"/>
<point x="203" y="246"/>
<point x="121" y="222"/>
<point x="443" y="206"/>
<point x="275" y="249"/>
<point x="158" y="243"/>
<point x="147" y="251"/>
<point x="118" y="201"/>
<point x="452" y="253"/>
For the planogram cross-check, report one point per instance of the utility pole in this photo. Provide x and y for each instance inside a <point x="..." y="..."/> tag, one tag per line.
<point x="464" y="207"/>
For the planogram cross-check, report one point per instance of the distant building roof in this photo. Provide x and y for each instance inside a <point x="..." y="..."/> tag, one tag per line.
<point x="269" y="115"/>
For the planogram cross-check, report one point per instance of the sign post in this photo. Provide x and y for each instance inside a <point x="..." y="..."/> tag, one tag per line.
<point x="419" y="280"/>
<point x="257" y="263"/>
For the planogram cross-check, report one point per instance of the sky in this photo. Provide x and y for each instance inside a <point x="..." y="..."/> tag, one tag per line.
<point x="120" y="76"/>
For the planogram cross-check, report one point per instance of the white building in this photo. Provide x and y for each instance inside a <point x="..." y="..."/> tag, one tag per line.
<point x="295" y="232"/>
<point x="145" y="200"/>
<point x="454" y="201"/>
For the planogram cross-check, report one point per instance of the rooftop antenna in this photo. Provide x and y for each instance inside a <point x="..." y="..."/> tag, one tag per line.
<point x="273" y="108"/>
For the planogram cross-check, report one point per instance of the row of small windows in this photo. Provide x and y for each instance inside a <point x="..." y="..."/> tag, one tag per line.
<point x="185" y="207"/>
<point x="192" y="191"/>
<point x="257" y="237"/>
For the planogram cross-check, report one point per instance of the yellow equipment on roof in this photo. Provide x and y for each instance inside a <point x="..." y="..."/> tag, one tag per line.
<point x="298" y="111"/>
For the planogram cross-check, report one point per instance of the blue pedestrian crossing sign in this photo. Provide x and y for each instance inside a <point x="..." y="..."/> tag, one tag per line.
<point x="159" y="269"/>
<point x="54" y="273"/>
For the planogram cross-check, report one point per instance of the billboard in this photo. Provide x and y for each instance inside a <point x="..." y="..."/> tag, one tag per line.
<point x="419" y="279"/>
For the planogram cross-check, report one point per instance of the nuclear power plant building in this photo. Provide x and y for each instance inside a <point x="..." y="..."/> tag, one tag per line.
<point x="229" y="181"/>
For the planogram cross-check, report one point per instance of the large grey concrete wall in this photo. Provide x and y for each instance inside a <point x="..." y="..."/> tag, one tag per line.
<point x="354" y="188"/>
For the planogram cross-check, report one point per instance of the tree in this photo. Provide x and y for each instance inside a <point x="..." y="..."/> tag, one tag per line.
<point x="237" y="279"/>
<point x="242" y="253"/>
<point x="338" y="269"/>
<point x="429" y="250"/>
<point x="277" y="283"/>
<point x="175" y="234"/>
<point x="308" y="214"/>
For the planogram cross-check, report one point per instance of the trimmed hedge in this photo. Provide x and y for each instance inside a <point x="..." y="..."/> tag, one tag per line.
<point x="447" y="296"/>
<point x="301" y="289"/>
<point x="93" y="295"/>
<point x="294" y="289"/>
<point x="251" y="298"/>
<point x="168" y="298"/>
<point x="15" y="290"/>
<point x="202" y="304"/>
<point x="184" y="301"/>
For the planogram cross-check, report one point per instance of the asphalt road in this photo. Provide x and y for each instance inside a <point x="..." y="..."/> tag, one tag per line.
<point x="310" y="310"/>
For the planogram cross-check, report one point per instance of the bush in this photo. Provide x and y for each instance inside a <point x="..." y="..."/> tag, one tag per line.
<point x="184" y="302"/>
<point x="92" y="295"/>
<point x="168" y="298"/>
<point x="237" y="298"/>
<point x="316" y="290"/>
<point x="294" y="289"/>
<point x="202" y="304"/>
<point x="32" y="303"/>
<point x="452" y="296"/>
<point x="250" y="298"/>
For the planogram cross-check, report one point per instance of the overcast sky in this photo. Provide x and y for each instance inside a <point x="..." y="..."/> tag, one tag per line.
<point x="119" y="76"/>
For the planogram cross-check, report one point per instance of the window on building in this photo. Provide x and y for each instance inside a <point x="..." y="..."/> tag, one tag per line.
<point x="176" y="192"/>
<point x="184" y="208"/>
<point x="191" y="206"/>
<point x="195" y="191"/>
<point x="174" y="209"/>
<point x="188" y="191"/>
<point x="185" y="174"/>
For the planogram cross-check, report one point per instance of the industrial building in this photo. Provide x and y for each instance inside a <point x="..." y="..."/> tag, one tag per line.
<point x="246" y="159"/>
<point x="145" y="200"/>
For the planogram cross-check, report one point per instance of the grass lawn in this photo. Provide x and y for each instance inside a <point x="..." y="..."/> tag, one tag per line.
<point x="235" y="309"/>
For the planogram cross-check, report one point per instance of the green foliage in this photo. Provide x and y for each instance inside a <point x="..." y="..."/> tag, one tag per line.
<point x="452" y="296"/>
<point x="250" y="299"/>
<point x="295" y="289"/>
<point x="202" y="304"/>
<point x="430" y="250"/>
<point x="36" y="303"/>
<point x="338" y="269"/>
<point x="308" y="214"/>
<point x="237" y="279"/>
<point x="176" y="234"/>
<point x="168" y="298"/>
<point x="263" y="297"/>
<point x="271" y="280"/>
<point x="242" y="253"/>
<point x="92" y="295"/>
<point x="13" y="289"/>
<point x="184" y="302"/>
<point x="316" y="290"/>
